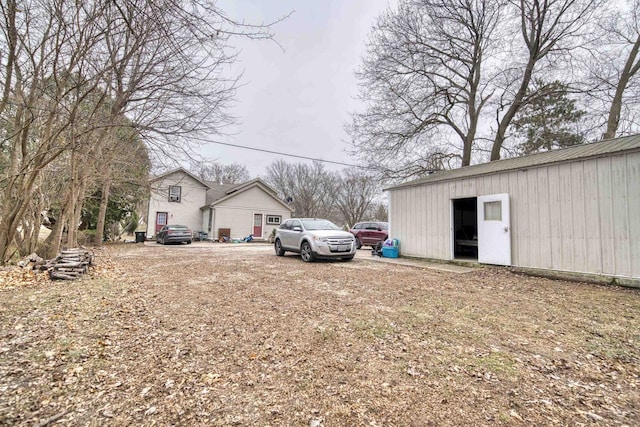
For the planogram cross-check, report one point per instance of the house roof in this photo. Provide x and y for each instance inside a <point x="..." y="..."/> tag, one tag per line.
<point x="576" y="152"/>
<point x="218" y="193"/>
<point x="186" y="172"/>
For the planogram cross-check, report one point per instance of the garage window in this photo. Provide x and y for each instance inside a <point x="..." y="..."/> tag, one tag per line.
<point x="493" y="211"/>
<point x="274" y="219"/>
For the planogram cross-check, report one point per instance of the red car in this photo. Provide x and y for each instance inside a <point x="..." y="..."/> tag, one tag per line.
<point x="370" y="233"/>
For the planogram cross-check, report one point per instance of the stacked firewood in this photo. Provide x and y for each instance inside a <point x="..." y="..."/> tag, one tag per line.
<point x="68" y="265"/>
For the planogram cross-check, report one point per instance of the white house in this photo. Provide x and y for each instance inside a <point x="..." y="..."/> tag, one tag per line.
<point x="233" y="210"/>
<point x="574" y="210"/>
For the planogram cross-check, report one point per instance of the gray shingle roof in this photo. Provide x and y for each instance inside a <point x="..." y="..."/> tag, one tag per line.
<point x="218" y="191"/>
<point x="577" y="152"/>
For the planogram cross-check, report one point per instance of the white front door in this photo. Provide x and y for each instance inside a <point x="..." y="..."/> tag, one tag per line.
<point x="494" y="230"/>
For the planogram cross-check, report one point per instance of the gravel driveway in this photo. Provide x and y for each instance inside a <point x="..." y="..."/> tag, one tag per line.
<point x="230" y="334"/>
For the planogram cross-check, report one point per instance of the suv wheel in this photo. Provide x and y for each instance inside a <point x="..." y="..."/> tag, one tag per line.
<point x="358" y="243"/>
<point x="306" y="253"/>
<point x="278" y="247"/>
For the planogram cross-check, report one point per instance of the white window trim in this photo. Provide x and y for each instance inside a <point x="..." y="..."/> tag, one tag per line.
<point x="171" y="196"/>
<point x="270" y="219"/>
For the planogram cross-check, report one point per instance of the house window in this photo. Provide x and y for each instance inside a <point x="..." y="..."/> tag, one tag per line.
<point x="493" y="211"/>
<point x="175" y="193"/>
<point x="274" y="219"/>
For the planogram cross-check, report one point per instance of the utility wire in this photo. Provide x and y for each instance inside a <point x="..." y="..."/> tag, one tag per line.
<point x="286" y="154"/>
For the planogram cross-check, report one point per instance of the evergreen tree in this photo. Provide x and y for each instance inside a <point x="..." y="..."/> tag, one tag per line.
<point x="547" y="120"/>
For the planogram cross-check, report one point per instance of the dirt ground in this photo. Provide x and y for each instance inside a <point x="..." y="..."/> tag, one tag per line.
<point x="231" y="335"/>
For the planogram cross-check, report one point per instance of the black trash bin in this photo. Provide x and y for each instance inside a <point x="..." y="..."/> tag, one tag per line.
<point x="140" y="236"/>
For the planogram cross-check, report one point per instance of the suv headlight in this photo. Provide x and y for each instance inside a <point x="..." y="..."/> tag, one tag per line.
<point x="320" y="239"/>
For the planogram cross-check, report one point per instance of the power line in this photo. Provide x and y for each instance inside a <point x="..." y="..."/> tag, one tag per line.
<point x="284" y="154"/>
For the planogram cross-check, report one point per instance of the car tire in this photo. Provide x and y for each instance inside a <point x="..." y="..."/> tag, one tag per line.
<point x="306" y="253"/>
<point x="358" y="243"/>
<point x="162" y="241"/>
<point x="278" y="248"/>
<point x="188" y="242"/>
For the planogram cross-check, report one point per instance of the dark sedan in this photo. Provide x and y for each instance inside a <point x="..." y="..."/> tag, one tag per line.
<point x="174" y="234"/>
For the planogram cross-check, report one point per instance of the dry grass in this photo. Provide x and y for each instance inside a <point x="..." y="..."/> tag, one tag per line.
<point x="232" y="335"/>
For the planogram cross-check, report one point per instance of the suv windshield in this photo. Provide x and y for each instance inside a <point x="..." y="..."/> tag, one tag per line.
<point x="319" y="224"/>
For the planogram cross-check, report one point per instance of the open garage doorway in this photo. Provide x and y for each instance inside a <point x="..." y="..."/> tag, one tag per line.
<point x="465" y="228"/>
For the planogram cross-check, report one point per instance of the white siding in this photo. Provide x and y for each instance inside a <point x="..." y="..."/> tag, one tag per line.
<point x="237" y="213"/>
<point x="187" y="211"/>
<point x="581" y="216"/>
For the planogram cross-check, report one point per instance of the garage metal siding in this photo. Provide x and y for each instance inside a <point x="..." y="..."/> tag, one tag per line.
<point x="605" y="209"/>
<point x="422" y="215"/>
<point x="580" y="216"/>
<point x="415" y="215"/>
<point x="566" y="218"/>
<point x="592" y="217"/>
<point x="620" y="215"/>
<point x="578" y="219"/>
<point x="633" y="206"/>
<point x="520" y="207"/>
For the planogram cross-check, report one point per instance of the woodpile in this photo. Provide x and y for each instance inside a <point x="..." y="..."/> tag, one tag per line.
<point x="68" y="265"/>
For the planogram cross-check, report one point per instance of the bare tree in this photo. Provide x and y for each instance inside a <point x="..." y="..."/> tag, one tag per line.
<point x="613" y="62"/>
<point x="233" y="173"/>
<point x="43" y="94"/>
<point x="160" y="64"/>
<point x="379" y="212"/>
<point x="355" y="195"/>
<point x="549" y="29"/>
<point x="435" y="69"/>
<point x="127" y="165"/>
<point x="422" y="80"/>
<point x="309" y="188"/>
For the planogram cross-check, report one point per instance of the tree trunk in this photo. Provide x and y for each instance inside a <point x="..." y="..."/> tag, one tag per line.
<point x="51" y="246"/>
<point x="513" y="109"/>
<point x="35" y="234"/>
<point x="11" y="214"/>
<point x="466" y="150"/>
<point x="102" y="213"/>
<point x="613" y="120"/>
<point x="75" y="211"/>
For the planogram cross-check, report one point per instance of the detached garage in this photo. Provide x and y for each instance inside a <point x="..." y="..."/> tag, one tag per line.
<point x="573" y="210"/>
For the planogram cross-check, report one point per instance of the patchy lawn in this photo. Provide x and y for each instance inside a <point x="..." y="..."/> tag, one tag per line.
<point x="217" y="334"/>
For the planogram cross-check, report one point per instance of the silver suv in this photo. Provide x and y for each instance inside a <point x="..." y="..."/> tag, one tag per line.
<point x="314" y="238"/>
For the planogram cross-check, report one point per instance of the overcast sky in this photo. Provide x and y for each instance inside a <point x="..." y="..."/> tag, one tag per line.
<point x="296" y="98"/>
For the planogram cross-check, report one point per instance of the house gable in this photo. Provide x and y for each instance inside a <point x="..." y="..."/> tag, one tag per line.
<point x="176" y="195"/>
<point x="252" y="197"/>
<point x="249" y="208"/>
<point x="246" y="195"/>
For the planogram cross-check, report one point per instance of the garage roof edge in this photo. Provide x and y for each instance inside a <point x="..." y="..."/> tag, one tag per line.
<point x="574" y="153"/>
